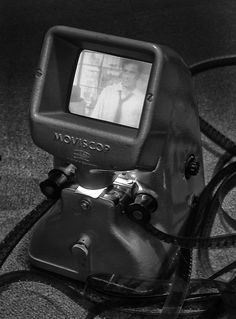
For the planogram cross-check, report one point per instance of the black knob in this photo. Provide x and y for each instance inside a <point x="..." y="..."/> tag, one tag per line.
<point x="192" y="166"/>
<point x="140" y="211"/>
<point x="56" y="181"/>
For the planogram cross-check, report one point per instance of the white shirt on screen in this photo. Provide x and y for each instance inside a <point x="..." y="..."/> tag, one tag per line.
<point x="109" y="101"/>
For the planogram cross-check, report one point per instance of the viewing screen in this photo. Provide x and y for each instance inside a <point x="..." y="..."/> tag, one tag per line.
<point x="109" y="88"/>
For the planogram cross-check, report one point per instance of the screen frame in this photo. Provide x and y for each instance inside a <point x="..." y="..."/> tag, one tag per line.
<point x="49" y="113"/>
<point x="80" y="67"/>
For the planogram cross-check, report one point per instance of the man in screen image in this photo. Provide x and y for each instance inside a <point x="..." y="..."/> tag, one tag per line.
<point x="122" y="103"/>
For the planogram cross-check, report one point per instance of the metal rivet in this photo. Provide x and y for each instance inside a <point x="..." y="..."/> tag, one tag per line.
<point x="85" y="204"/>
<point x="149" y="97"/>
<point x="38" y="73"/>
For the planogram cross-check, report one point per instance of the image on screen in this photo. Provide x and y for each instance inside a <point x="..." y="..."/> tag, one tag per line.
<point x="109" y="88"/>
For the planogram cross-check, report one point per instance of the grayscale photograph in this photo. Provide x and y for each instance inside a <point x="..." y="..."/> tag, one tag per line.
<point x="109" y="88"/>
<point x="117" y="159"/>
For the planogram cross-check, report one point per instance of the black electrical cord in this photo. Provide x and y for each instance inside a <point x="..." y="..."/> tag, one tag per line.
<point x="212" y="63"/>
<point x="200" y="212"/>
<point x="15" y="235"/>
<point x="223" y="160"/>
<point x="225" y="143"/>
<point x="207" y="128"/>
<point x="217" y="137"/>
<point x="68" y="288"/>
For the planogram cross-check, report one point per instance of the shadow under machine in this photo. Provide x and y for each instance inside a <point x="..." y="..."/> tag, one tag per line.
<point x="111" y="179"/>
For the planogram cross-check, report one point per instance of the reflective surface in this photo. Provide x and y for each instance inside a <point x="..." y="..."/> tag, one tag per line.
<point x="109" y="88"/>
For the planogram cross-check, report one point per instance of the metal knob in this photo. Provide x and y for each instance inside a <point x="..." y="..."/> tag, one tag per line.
<point x="81" y="248"/>
<point x="140" y="211"/>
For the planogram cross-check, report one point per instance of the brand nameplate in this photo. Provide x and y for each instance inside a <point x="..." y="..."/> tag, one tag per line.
<point x="81" y="142"/>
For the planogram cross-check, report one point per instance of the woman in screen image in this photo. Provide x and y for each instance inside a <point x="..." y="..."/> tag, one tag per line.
<point x="122" y="103"/>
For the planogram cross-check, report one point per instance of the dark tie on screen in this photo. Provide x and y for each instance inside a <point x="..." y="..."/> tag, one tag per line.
<point x="117" y="118"/>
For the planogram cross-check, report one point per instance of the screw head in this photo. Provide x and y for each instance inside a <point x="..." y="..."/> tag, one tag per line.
<point x="149" y="97"/>
<point x="38" y="73"/>
<point x="137" y="214"/>
<point x="85" y="204"/>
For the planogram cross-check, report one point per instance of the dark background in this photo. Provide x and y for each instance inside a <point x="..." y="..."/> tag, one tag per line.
<point x="196" y="29"/>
